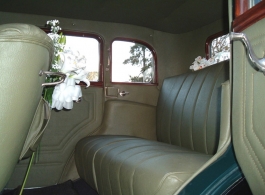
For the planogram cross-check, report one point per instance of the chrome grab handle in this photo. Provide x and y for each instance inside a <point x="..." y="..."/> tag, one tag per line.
<point x="124" y="93"/>
<point x="60" y="74"/>
<point x="258" y="63"/>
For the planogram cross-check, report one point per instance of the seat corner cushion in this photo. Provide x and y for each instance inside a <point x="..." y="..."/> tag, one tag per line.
<point x="129" y="165"/>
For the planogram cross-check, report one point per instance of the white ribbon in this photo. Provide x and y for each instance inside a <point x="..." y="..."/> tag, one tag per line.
<point x="74" y="66"/>
<point x="65" y="93"/>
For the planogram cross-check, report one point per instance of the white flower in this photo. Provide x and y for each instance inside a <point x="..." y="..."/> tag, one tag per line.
<point x="75" y="66"/>
<point x="198" y="59"/>
<point x="211" y="61"/>
<point x="201" y="63"/>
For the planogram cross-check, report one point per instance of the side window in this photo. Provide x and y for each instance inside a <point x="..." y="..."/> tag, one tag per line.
<point x="218" y="47"/>
<point x="84" y="50"/>
<point x="132" y="62"/>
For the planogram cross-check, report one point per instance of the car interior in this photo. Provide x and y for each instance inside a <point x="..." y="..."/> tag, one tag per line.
<point x="132" y="97"/>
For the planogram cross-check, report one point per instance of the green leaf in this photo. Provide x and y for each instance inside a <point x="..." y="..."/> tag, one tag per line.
<point x="48" y="91"/>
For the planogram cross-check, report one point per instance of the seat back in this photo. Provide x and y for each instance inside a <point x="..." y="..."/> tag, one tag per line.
<point x="188" y="111"/>
<point x="24" y="51"/>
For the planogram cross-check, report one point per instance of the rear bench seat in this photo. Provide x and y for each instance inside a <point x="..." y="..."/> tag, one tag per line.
<point x="188" y="129"/>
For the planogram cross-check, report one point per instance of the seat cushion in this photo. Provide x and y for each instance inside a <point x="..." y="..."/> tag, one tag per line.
<point x="130" y="165"/>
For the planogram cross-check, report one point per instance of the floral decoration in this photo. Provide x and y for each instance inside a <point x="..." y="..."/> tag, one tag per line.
<point x="69" y="62"/>
<point x="201" y="63"/>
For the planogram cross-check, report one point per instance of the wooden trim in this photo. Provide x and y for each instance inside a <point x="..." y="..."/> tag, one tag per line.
<point x="140" y="42"/>
<point x="250" y="17"/>
<point x="241" y="6"/>
<point x="209" y="41"/>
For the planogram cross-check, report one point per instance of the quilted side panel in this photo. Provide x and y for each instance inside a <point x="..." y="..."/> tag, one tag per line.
<point x="248" y="119"/>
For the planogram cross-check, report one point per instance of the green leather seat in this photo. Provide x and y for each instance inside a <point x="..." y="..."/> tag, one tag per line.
<point x="188" y="131"/>
<point x="25" y="51"/>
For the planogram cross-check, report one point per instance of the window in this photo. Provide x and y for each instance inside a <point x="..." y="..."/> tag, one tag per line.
<point x="86" y="49"/>
<point x="133" y="62"/>
<point x="89" y="48"/>
<point x="218" y="47"/>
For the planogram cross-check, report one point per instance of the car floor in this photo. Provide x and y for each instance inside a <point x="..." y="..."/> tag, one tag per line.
<point x="78" y="187"/>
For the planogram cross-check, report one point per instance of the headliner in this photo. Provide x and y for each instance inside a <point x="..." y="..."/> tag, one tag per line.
<point x="173" y="16"/>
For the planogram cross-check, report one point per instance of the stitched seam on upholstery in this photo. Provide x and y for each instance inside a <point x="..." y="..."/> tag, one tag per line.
<point x="101" y="181"/>
<point x="132" y="181"/>
<point x="252" y="129"/>
<point x="169" y="138"/>
<point x="93" y="159"/>
<point x="243" y="133"/>
<point x="252" y="110"/>
<point x="160" y="137"/>
<point x="164" y="179"/>
<point x="86" y="156"/>
<point x="122" y="164"/>
<point x="209" y="102"/>
<point x="183" y="109"/>
<point x="173" y="109"/>
<point x="158" y="155"/>
<point x="195" y="105"/>
<point x="111" y="160"/>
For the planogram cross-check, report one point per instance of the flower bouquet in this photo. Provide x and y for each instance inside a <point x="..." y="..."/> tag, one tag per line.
<point x="69" y="62"/>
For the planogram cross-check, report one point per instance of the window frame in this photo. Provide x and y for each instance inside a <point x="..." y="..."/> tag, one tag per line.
<point x="241" y="6"/>
<point x="100" y="82"/>
<point x="155" y="83"/>
<point x="245" y="17"/>
<point x="209" y="41"/>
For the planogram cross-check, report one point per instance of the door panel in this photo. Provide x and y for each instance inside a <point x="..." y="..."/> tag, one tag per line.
<point x="248" y="119"/>
<point x="129" y="118"/>
<point x="54" y="162"/>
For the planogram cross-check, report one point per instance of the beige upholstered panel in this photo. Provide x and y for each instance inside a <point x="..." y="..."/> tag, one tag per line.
<point x="25" y="50"/>
<point x="188" y="112"/>
<point x="128" y="118"/>
<point x="64" y="130"/>
<point x="248" y="110"/>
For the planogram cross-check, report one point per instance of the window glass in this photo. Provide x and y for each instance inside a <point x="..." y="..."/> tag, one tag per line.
<point x="253" y="2"/>
<point x="85" y="50"/>
<point x="132" y="62"/>
<point x="220" y="48"/>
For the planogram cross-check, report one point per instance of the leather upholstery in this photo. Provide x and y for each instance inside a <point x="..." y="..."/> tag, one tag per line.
<point x="188" y="110"/>
<point x="129" y="165"/>
<point x="25" y="50"/>
<point x="188" y="129"/>
<point x="39" y="123"/>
